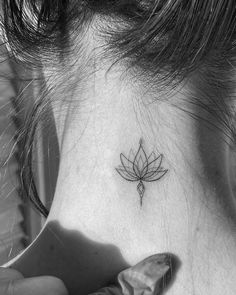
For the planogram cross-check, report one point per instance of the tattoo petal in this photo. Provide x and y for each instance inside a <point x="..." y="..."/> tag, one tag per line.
<point x="126" y="163"/>
<point x="123" y="173"/>
<point x="140" y="160"/>
<point x="156" y="176"/>
<point x="151" y="172"/>
<point x="155" y="163"/>
<point x="127" y="170"/>
<point x="136" y="171"/>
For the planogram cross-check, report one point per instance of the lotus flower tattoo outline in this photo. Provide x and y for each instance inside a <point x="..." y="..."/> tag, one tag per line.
<point x="142" y="168"/>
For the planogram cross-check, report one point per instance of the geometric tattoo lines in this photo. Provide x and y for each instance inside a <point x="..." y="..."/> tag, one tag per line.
<point x="142" y="168"/>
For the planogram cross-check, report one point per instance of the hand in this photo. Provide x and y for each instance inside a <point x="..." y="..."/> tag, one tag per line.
<point x="148" y="277"/>
<point x="12" y="282"/>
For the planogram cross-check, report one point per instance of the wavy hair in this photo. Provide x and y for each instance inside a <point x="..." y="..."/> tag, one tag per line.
<point x="167" y="39"/>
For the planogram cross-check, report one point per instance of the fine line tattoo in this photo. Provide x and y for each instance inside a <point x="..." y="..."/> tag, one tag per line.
<point x="142" y="168"/>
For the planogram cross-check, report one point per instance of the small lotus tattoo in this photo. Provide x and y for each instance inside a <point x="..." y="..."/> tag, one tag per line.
<point x="142" y="168"/>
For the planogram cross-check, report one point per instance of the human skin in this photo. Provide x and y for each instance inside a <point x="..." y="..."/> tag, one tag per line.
<point x="96" y="226"/>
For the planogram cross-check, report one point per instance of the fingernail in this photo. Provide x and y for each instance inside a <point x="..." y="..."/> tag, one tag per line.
<point x="147" y="276"/>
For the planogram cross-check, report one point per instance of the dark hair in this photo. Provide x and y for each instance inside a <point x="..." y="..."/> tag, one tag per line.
<point x="174" y="37"/>
<point x="163" y="39"/>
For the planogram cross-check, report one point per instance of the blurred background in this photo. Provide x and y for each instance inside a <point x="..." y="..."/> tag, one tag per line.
<point x="20" y="223"/>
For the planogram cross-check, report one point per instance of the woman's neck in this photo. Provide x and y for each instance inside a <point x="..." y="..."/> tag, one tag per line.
<point x="186" y="212"/>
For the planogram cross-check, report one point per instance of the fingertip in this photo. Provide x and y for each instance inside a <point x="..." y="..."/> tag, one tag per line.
<point x="58" y="285"/>
<point x="40" y="286"/>
<point x="10" y="274"/>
